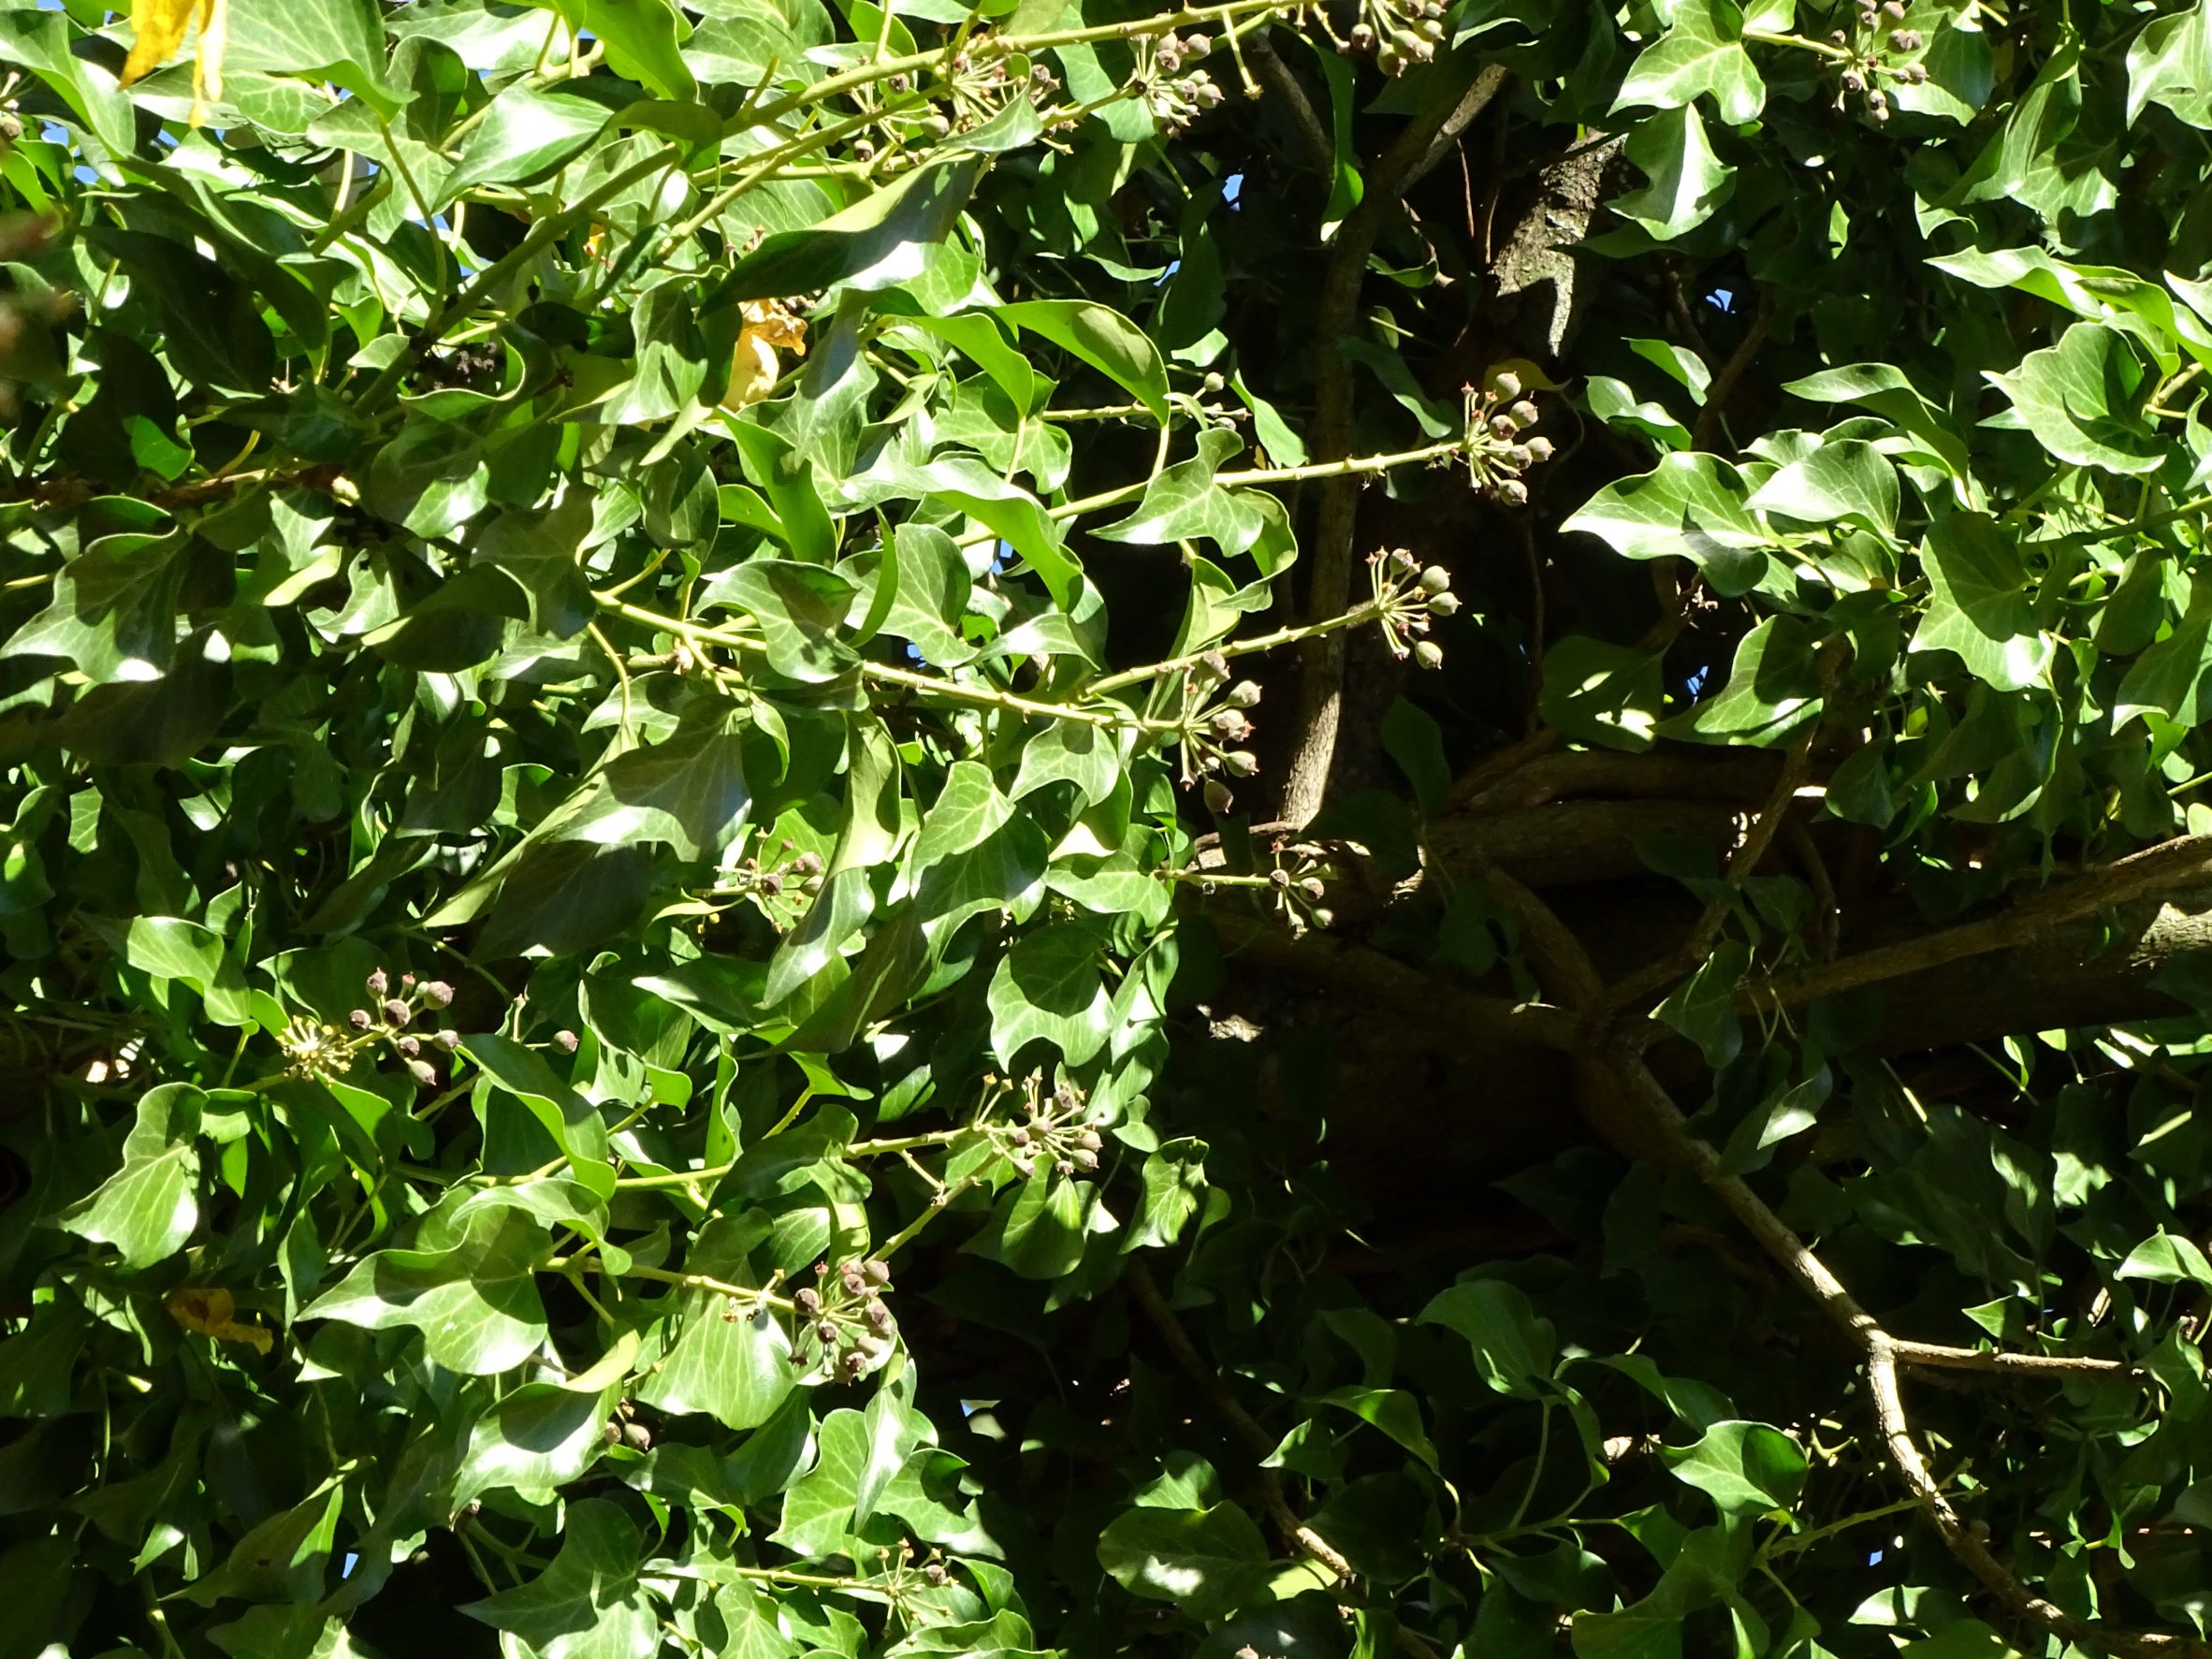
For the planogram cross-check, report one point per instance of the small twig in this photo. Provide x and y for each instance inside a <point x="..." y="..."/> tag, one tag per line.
<point x="1707" y="433"/>
<point x="1256" y="1440"/>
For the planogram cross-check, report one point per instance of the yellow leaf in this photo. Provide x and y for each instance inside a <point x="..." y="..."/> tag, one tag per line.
<point x="769" y="327"/>
<point x="213" y="1313"/>
<point x="158" y="28"/>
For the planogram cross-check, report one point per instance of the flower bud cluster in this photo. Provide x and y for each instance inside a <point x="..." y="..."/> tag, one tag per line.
<point x="323" y="1052"/>
<point x="1053" y="1132"/>
<point x="396" y="1008"/>
<point x="781" y="890"/>
<point x="1397" y="34"/>
<point x="1879" y="53"/>
<point x="1406" y="599"/>
<point x="978" y="83"/>
<point x="845" y="1325"/>
<point x="1500" y="445"/>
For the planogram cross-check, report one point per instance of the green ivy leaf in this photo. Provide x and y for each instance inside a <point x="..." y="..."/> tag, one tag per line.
<point x="472" y="1296"/>
<point x="1513" y="1347"/>
<point x="1701" y="54"/>
<point x="1979" y="604"/>
<point x="148" y="1207"/>
<point x="589" y="1603"/>
<point x="1744" y="1467"/>
<point x="2078" y="396"/>
<point x="1048" y="989"/>
<point x="1208" y="1561"/>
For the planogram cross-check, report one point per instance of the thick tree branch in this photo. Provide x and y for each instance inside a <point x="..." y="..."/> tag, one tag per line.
<point x="1424" y="142"/>
<point x="2168" y="867"/>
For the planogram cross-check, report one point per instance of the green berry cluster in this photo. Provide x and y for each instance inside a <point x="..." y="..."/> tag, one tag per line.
<point x="1500" y="446"/>
<point x="1212" y="725"/>
<point x="1174" y="97"/>
<point x="1408" y="599"/>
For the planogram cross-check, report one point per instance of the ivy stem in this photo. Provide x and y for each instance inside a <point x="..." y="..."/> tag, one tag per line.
<point x="885" y="673"/>
<point x="858" y="1149"/>
<point x="1369" y="612"/>
<point x="1824" y="47"/>
<point x="567" y="1265"/>
<point x="938" y="1200"/>
<point x="1253" y="479"/>
<point x="1003" y="46"/>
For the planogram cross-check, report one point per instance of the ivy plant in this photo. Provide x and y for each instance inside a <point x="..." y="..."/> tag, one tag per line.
<point x="895" y="827"/>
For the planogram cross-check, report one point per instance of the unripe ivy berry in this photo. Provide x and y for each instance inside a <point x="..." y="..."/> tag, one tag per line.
<point x="359" y="1019"/>
<point x="878" y="1272"/>
<point x="1435" y="579"/>
<point x="1444" y="604"/>
<point x="396" y="1011"/>
<point x="1539" y="449"/>
<point x="1197" y="46"/>
<point x="565" y="1042"/>
<point x="1244" y="694"/>
<point x="1503" y="428"/>
<point x="420" y="1071"/>
<point x="638" y="1438"/>
<point x="1505" y="384"/>
<point x="408" y="1046"/>
<point x="1513" y="493"/>
<point x="1429" y="654"/>
<point x="1063" y="1168"/>
<point x="1089" y="1140"/>
<point x="1361" y="39"/>
<point x="448" y="1040"/>
<point x="1523" y="414"/>
<point x="1241" y="763"/>
<point x="935" y="1572"/>
<point x="437" y="994"/>
<point x="1312" y="888"/>
<point x="1213" y="383"/>
<point x="1218" y="799"/>
<point x="1083" y="1161"/>
<point x="377" y="983"/>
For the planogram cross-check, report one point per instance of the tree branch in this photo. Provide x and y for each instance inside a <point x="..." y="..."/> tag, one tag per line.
<point x="1320" y="686"/>
<point x="1707" y="433"/>
<point x="1257" y="1439"/>
<point x="1560" y="958"/>
<point x="1283" y="82"/>
<point x="2166" y="868"/>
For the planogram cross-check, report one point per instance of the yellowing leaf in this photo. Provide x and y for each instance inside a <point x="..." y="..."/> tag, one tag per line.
<point x="158" y="28"/>
<point x="769" y="327"/>
<point x="212" y="1313"/>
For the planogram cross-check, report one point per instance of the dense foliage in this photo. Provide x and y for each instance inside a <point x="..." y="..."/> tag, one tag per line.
<point x="643" y="1006"/>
